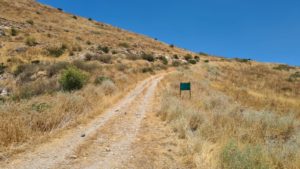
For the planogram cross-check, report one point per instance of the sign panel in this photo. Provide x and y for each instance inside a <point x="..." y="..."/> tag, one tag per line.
<point x="185" y="87"/>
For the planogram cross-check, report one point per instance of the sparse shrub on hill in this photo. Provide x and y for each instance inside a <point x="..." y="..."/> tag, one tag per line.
<point x="74" y="17"/>
<point x="56" y="51"/>
<point x="14" y="32"/>
<point x="232" y="157"/>
<point x="90" y="19"/>
<point x="147" y="70"/>
<point x="124" y="45"/>
<point x="187" y="57"/>
<point x="104" y="49"/>
<point x="99" y="80"/>
<point x="206" y="61"/>
<point x="72" y="79"/>
<point x="86" y="66"/>
<point x="148" y="57"/>
<point x="133" y="57"/>
<point x="171" y="46"/>
<point x="88" y="42"/>
<point x="242" y="60"/>
<point x="105" y="59"/>
<point x="30" y="22"/>
<point x="176" y="63"/>
<point x="60" y="9"/>
<point x="31" y="41"/>
<point x="197" y="58"/>
<point x="164" y="60"/>
<point x="203" y="54"/>
<point x="294" y="77"/>
<point x="284" y="67"/>
<point x="192" y="61"/>
<point x="2" y="68"/>
<point x="176" y="56"/>
<point x="108" y="87"/>
<point x="56" y="68"/>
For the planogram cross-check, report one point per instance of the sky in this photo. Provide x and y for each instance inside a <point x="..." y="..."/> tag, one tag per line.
<point x="262" y="30"/>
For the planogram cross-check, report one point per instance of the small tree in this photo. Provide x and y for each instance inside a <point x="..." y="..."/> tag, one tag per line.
<point x="72" y="79"/>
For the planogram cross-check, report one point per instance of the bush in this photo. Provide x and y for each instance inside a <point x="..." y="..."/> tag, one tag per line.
<point x="89" y="67"/>
<point x="88" y="42"/>
<point x="203" y="54"/>
<point x="293" y="77"/>
<point x="147" y="69"/>
<point x="105" y="59"/>
<point x="60" y="9"/>
<point x="30" y="41"/>
<point x="284" y="67"/>
<point x="72" y="79"/>
<point x="242" y="60"/>
<point x="148" y="57"/>
<point x="176" y="57"/>
<point x="99" y="80"/>
<point x="90" y="19"/>
<point x="206" y="61"/>
<point x="30" y="22"/>
<point x="124" y="44"/>
<point x="197" y="58"/>
<point x="2" y="68"/>
<point x="133" y="57"/>
<point x="192" y="61"/>
<point x="74" y="17"/>
<point x="105" y="49"/>
<point x="56" y="68"/>
<point x="172" y="46"/>
<point x="108" y="87"/>
<point x="13" y="32"/>
<point x="56" y="51"/>
<point x="250" y="157"/>
<point x="188" y="57"/>
<point x="175" y="63"/>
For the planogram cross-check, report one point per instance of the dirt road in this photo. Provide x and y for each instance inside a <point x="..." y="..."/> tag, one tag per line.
<point x="107" y="142"/>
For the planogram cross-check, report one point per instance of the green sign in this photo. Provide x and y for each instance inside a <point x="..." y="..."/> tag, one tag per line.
<point x="185" y="86"/>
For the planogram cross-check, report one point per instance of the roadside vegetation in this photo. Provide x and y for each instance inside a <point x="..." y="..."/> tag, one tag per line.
<point x="221" y="127"/>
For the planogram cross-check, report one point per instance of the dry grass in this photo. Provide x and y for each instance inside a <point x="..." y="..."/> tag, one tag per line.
<point x="218" y="131"/>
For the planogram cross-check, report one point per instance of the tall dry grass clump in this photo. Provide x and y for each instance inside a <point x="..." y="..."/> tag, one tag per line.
<point x="219" y="132"/>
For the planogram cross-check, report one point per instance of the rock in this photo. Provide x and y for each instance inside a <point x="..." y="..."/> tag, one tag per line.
<point x="82" y="135"/>
<point x="4" y="92"/>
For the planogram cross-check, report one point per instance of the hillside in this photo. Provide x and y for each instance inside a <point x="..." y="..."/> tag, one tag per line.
<point x="77" y="93"/>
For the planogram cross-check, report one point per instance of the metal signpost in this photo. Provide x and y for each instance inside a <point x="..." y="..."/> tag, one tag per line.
<point x="186" y="87"/>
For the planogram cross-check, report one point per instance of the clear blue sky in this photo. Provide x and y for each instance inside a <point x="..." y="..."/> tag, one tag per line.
<point x="263" y="30"/>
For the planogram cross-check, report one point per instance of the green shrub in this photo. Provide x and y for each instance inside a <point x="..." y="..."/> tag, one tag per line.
<point x="197" y="58"/>
<point x="88" y="42"/>
<point x="30" y="41"/>
<point x="124" y="44"/>
<point x="188" y="57"/>
<point x="148" y="57"/>
<point x="175" y="63"/>
<point x="147" y="69"/>
<point x="192" y="61"/>
<point x="172" y="46"/>
<point x="14" y="32"/>
<point x="203" y="54"/>
<point x="284" y="67"/>
<point x="206" y="61"/>
<point x="74" y="17"/>
<point x="248" y="158"/>
<point x="293" y="77"/>
<point x="99" y="80"/>
<point x="176" y="57"/>
<point x="2" y="68"/>
<point x="56" y="51"/>
<point x="105" y="49"/>
<point x="72" y="79"/>
<point x="133" y="57"/>
<point x="90" y="19"/>
<point x="30" y="22"/>
<point x="242" y="60"/>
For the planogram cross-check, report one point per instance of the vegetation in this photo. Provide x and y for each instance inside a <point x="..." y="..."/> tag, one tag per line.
<point x="30" y="41"/>
<point x="124" y="44"/>
<point x="188" y="57"/>
<point x="192" y="61"/>
<point x="30" y="22"/>
<point x="56" y="51"/>
<point x="14" y="32"/>
<point x="99" y="80"/>
<point x="104" y="49"/>
<point x="283" y="67"/>
<point x="72" y="79"/>
<point x="148" y="57"/>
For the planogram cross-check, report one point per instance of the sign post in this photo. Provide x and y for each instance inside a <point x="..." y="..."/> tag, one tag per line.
<point x="186" y="87"/>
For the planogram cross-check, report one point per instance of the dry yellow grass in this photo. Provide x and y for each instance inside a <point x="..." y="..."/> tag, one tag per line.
<point x="217" y="129"/>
